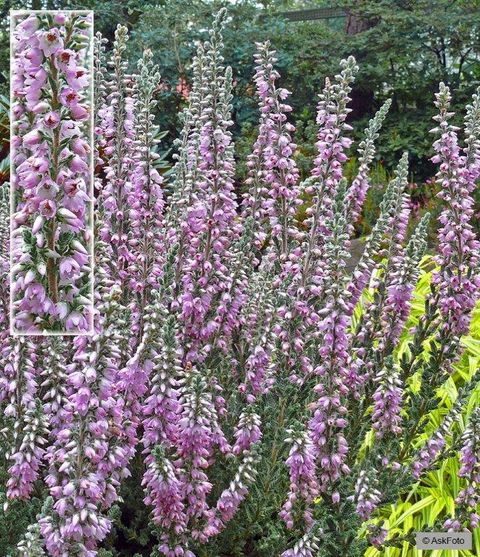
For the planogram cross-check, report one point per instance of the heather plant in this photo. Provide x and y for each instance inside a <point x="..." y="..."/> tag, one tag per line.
<point x="261" y="380"/>
<point x="51" y="185"/>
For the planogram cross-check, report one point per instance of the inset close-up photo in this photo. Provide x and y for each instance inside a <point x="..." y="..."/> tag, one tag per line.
<point x="52" y="172"/>
<point x="239" y="278"/>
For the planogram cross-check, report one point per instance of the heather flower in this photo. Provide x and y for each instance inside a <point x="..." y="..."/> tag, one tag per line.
<point x="210" y="226"/>
<point x="47" y="189"/>
<point x="358" y="190"/>
<point x="65" y="58"/>
<point x="27" y="27"/>
<point x="69" y="269"/>
<point x="334" y="372"/>
<point x="230" y="498"/>
<point x="69" y="97"/>
<point x="48" y="208"/>
<point x="52" y="119"/>
<point x="50" y="41"/>
<point x="32" y="138"/>
<point x="327" y="174"/>
<point x="79" y="112"/>
<point x="458" y="247"/>
<point x="274" y="192"/>
<point x="388" y="221"/>
<point x="303" y="481"/>
<point x="116" y="133"/>
<point x="402" y="279"/>
<point x="367" y="497"/>
<point x="468" y="499"/>
<point x="19" y="388"/>
<point x="77" y="77"/>
<point x="145" y="198"/>
<point x="77" y="322"/>
<point x="306" y="545"/>
<point x="165" y="492"/>
<point x="248" y="431"/>
<point x="26" y="461"/>
<point x="31" y="545"/>
<point x="377" y="535"/>
<point x="387" y="400"/>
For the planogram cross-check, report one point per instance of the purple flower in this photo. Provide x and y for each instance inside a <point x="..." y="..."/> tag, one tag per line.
<point x="52" y="119"/>
<point x="69" y="270"/>
<point x="367" y="497"/>
<point x="26" y="28"/>
<point x="387" y="401"/>
<point x="50" y="41"/>
<point x="60" y="18"/>
<point x="303" y="482"/>
<point x="78" y="78"/>
<point x="48" y="208"/>
<point x="65" y="59"/>
<point x="32" y="138"/>
<point x="47" y="189"/>
<point x="76" y="322"/>
<point x="79" y="112"/>
<point x="69" y="97"/>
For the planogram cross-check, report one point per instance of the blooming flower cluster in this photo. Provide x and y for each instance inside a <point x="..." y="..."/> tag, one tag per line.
<point x="233" y="346"/>
<point x="51" y="173"/>
<point x="468" y="499"/>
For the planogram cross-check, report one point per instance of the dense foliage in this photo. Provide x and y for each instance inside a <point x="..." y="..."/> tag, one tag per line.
<point x="267" y="398"/>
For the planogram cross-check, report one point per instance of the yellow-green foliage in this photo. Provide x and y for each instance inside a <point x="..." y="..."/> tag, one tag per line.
<point x="433" y="497"/>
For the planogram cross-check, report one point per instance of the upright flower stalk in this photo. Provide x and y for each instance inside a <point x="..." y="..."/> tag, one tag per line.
<point x="210" y="224"/>
<point x="145" y="197"/>
<point x="273" y="176"/>
<point x="115" y="132"/>
<point x="51" y="172"/>
<point x="457" y="281"/>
